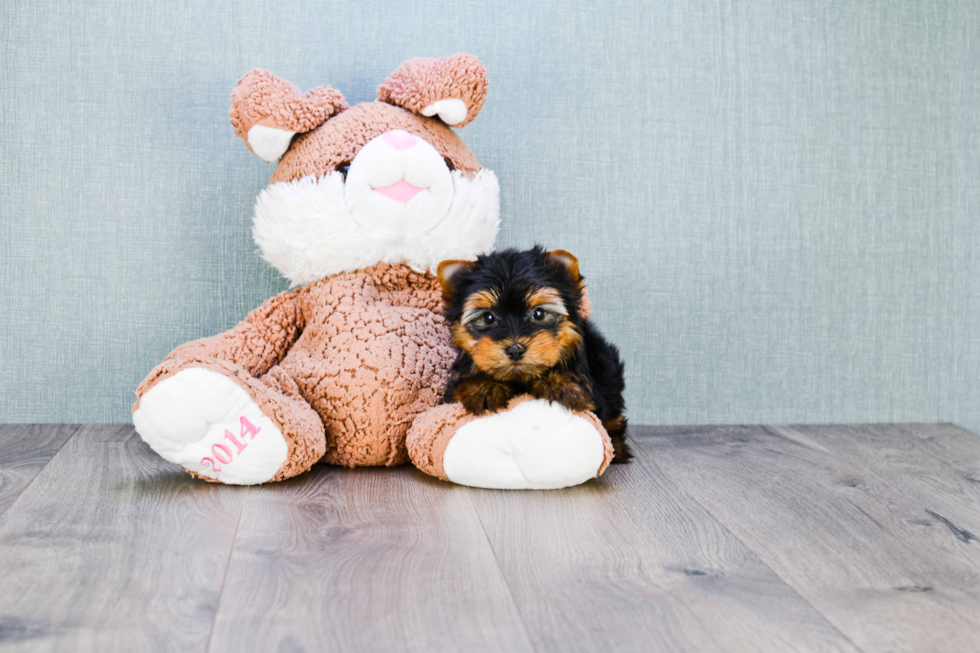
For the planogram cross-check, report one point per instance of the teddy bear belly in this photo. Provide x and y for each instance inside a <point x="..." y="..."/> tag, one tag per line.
<point x="370" y="378"/>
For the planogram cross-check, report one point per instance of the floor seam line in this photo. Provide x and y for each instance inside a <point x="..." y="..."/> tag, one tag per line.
<point x="945" y="461"/>
<point x="224" y="577"/>
<point x="762" y="562"/>
<point x="23" y="491"/>
<point x="500" y="569"/>
<point x="926" y="507"/>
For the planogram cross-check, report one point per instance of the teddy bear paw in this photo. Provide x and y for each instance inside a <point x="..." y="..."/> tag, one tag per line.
<point x="536" y="445"/>
<point x="208" y="424"/>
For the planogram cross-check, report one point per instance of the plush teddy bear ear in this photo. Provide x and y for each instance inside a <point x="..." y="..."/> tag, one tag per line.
<point x="267" y="112"/>
<point x="454" y="88"/>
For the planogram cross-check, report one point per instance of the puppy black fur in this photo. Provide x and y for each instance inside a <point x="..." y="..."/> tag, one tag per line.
<point x="516" y="320"/>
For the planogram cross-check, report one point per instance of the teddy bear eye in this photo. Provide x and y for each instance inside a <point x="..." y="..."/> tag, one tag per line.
<point x="343" y="169"/>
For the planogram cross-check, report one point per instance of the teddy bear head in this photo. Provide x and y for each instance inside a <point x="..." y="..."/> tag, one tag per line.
<point x="385" y="181"/>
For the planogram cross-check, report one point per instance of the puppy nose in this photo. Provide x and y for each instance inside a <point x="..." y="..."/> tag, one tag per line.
<point x="515" y="352"/>
<point x="399" y="139"/>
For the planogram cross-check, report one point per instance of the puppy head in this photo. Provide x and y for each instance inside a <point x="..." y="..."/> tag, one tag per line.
<point x="516" y="313"/>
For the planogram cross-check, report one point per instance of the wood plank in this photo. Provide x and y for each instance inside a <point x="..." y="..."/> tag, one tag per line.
<point x="908" y="463"/>
<point x="111" y="548"/>
<point x="24" y="451"/>
<point x="883" y="570"/>
<point x="630" y="562"/>
<point x="956" y="446"/>
<point x="364" y="560"/>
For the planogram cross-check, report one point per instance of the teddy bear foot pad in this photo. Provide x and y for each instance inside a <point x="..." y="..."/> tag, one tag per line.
<point x="536" y="445"/>
<point x="208" y="424"/>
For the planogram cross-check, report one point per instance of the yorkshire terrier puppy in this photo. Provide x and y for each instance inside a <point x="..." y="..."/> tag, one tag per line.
<point x="516" y="320"/>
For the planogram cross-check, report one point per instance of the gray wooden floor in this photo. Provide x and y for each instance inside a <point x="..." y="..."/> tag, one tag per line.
<point x="748" y="538"/>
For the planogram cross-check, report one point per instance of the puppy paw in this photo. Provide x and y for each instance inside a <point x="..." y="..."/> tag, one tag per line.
<point x="483" y="395"/>
<point x="564" y="389"/>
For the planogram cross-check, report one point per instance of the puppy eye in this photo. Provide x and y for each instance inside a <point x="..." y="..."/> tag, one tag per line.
<point x="537" y="314"/>
<point x="344" y="169"/>
<point x="489" y="318"/>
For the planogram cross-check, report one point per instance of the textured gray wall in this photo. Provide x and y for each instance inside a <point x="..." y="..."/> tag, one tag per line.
<point x="776" y="202"/>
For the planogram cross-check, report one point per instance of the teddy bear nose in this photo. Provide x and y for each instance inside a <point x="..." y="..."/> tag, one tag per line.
<point x="399" y="139"/>
<point x="515" y="352"/>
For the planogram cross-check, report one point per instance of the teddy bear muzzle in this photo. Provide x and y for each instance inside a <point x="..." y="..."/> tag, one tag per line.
<point x="399" y="184"/>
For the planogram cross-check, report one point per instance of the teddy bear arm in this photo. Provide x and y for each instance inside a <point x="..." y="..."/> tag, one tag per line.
<point x="231" y="384"/>
<point x="254" y="345"/>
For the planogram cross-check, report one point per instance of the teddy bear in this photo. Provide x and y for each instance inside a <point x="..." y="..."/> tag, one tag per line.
<point x="348" y="367"/>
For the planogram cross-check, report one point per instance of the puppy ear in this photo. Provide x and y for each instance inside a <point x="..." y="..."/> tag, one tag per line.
<point x="585" y="304"/>
<point x="267" y="112"/>
<point x="448" y="273"/>
<point x="454" y="88"/>
<point x="567" y="261"/>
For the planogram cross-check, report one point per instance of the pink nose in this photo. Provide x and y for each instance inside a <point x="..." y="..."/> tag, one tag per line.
<point x="399" y="139"/>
